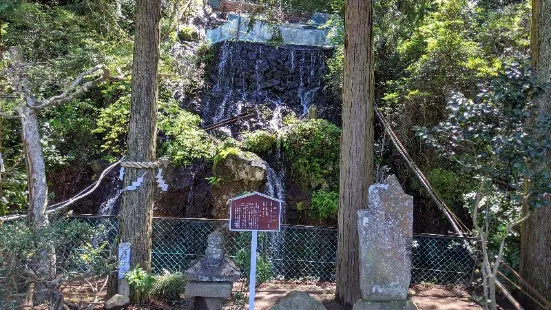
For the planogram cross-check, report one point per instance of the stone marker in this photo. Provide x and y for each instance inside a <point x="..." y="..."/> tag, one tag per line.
<point x="385" y="231"/>
<point x="210" y="279"/>
<point x="296" y="300"/>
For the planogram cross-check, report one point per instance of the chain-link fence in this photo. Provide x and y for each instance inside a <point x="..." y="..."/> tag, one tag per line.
<point x="294" y="253"/>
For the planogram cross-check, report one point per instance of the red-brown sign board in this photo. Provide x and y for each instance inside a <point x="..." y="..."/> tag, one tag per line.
<point x="255" y="212"/>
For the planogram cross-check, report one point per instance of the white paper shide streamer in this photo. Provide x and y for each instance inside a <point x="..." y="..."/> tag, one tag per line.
<point x="160" y="181"/>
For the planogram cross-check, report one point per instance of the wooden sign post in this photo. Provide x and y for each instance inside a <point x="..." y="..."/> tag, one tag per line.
<point x="254" y="212"/>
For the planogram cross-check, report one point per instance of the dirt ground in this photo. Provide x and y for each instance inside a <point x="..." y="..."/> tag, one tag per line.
<point x="426" y="297"/>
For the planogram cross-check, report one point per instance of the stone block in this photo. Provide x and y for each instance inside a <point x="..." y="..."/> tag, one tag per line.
<point x="384" y="305"/>
<point x="296" y="300"/>
<point x="205" y="303"/>
<point x="209" y="289"/>
<point x="385" y="231"/>
<point x="117" y="302"/>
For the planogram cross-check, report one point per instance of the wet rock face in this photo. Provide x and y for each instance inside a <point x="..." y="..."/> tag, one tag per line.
<point x="188" y="194"/>
<point x="245" y="75"/>
<point x="236" y="173"/>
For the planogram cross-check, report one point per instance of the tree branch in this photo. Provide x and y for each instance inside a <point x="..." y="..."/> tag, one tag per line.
<point x="74" y="89"/>
<point x="59" y="206"/>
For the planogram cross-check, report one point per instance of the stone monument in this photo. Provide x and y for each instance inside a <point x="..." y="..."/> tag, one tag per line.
<point x="210" y="279"/>
<point x="385" y="231"/>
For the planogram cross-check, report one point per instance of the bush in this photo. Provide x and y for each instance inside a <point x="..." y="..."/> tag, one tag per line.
<point x="263" y="268"/>
<point x="260" y="141"/>
<point x="184" y="141"/>
<point x="140" y="281"/>
<point x="21" y="247"/>
<point x="312" y="150"/>
<point x="188" y="34"/>
<point x="169" y="287"/>
<point x="325" y="205"/>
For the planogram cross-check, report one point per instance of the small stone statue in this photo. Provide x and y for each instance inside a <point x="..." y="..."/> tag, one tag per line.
<point x="211" y="278"/>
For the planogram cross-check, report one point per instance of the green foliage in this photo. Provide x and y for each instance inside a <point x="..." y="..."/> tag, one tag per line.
<point x="205" y="53"/>
<point x="14" y="191"/>
<point x="263" y="267"/>
<point x="181" y="138"/>
<point x="311" y="148"/>
<point x="277" y="37"/>
<point x="500" y="139"/>
<point x="112" y="125"/>
<point x="450" y="186"/>
<point x="187" y="33"/>
<point x="140" y="281"/>
<point x="169" y="287"/>
<point x="20" y="246"/>
<point x="222" y="154"/>
<point x="184" y="141"/>
<point x="325" y="205"/>
<point x="259" y="141"/>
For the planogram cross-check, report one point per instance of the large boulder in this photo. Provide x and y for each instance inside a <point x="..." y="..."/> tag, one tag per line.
<point x="235" y="173"/>
<point x="117" y="302"/>
<point x="298" y="301"/>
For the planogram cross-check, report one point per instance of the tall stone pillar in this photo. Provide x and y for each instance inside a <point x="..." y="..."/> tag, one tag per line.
<point x="385" y="231"/>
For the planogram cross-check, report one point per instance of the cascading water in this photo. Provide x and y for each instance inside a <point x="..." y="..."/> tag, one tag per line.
<point x="111" y="205"/>
<point x="251" y="75"/>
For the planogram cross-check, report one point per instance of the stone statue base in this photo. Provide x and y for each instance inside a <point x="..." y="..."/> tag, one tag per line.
<point x="384" y="305"/>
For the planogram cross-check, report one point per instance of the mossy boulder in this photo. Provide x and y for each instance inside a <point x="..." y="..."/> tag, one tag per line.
<point x="235" y="172"/>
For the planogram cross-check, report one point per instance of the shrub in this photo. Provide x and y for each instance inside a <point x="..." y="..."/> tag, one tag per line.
<point x="263" y="268"/>
<point x="184" y="140"/>
<point x="140" y="281"/>
<point x="187" y="34"/>
<point x="260" y="141"/>
<point x="311" y="148"/>
<point x="21" y="247"/>
<point x="169" y="286"/>
<point x="325" y="205"/>
<point x="223" y="154"/>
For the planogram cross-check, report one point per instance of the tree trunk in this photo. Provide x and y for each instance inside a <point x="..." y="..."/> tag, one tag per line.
<point x="535" y="256"/>
<point x="36" y="169"/>
<point x="356" y="159"/>
<point x="137" y="207"/>
<point x="44" y="265"/>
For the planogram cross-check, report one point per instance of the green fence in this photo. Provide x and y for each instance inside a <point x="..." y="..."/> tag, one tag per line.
<point x="294" y="253"/>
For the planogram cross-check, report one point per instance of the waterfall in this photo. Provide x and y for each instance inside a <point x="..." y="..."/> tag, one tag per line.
<point x="252" y="75"/>
<point x="113" y="202"/>
<point x="108" y="207"/>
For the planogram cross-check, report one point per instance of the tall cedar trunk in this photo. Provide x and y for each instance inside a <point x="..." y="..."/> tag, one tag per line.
<point x="535" y="258"/>
<point x="356" y="161"/>
<point x="137" y="207"/>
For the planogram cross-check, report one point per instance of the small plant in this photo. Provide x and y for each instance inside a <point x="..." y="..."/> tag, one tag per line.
<point x="205" y="54"/>
<point x="214" y="180"/>
<point x="223" y="154"/>
<point x="277" y="36"/>
<point x="140" y="281"/>
<point x="187" y="34"/>
<point x="169" y="287"/>
<point x="325" y="205"/>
